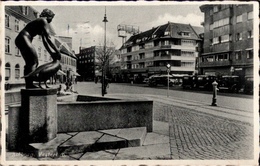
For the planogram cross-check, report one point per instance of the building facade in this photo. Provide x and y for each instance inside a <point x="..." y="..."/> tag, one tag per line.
<point x="16" y="18"/>
<point x="149" y="52"/>
<point x="228" y="40"/>
<point x="86" y="63"/>
<point x="89" y="62"/>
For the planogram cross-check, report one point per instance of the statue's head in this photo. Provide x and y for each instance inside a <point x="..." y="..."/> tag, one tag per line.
<point x="48" y="14"/>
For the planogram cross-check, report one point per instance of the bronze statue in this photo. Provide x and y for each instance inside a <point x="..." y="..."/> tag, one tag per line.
<point x="45" y="71"/>
<point x="23" y="41"/>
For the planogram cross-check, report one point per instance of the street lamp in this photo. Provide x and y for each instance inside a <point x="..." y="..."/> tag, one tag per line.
<point x="103" y="89"/>
<point x="168" y="66"/>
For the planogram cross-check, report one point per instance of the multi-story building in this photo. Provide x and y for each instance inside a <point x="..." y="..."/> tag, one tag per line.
<point x="89" y="64"/>
<point x="149" y="52"/>
<point x="16" y="18"/>
<point x="228" y="40"/>
<point x="68" y="62"/>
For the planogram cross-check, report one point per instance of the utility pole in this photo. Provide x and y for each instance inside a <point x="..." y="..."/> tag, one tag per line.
<point x="103" y="89"/>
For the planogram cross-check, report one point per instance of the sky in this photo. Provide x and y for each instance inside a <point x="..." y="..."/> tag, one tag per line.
<point x="84" y="22"/>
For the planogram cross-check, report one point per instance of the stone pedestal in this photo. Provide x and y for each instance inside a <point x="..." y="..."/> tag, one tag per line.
<point x="39" y="114"/>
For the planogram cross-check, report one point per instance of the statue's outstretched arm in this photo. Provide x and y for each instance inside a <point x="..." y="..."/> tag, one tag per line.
<point x="46" y="45"/>
<point x="46" y="35"/>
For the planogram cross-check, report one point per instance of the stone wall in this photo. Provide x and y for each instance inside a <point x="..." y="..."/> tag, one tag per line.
<point x="90" y="116"/>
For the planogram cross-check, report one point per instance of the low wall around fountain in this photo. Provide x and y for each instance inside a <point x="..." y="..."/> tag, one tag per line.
<point x="108" y="114"/>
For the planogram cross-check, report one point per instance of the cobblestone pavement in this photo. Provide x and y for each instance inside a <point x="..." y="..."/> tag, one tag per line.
<point x="197" y="136"/>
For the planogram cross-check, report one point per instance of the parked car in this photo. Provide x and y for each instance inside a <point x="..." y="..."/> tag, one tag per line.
<point x="230" y="83"/>
<point x="249" y="85"/>
<point x="205" y="81"/>
<point x="146" y="80"/>
<point x="178" y="78"/>
<point x="189" y="81"/>
<point x="160" y="79"/>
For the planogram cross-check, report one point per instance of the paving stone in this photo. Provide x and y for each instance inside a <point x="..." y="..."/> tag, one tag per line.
<point x="100" y="155"/>
<point x="134" y="136"/>
<point x="49" y="149"/>
<point x="110" y="132"/>
<point x="110" y="142"/>
<point x="153" y="138"/>
<point x="161" y="127"/>
<point x="79" y="143"/>
<point x="133" y="153"/>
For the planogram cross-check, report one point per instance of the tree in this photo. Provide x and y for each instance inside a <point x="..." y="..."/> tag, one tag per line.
<point x="104" y="55"/>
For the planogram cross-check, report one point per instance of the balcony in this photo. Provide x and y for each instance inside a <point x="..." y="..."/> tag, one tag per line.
<point x="175" y="57"/>
<point x="176" y="47"/>
<point x="215" y="64"/>
<point x="221" y="47"/>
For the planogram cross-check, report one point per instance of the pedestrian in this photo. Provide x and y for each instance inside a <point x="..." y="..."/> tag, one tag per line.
<point x="24" y="40"/>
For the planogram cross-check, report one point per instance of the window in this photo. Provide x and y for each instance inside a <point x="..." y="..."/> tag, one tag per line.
<point x="215" y="9"/>
<point x="44" y="52"/>
<point x="7" y="71"/>
<point x="185" y="33"/>
<point x="211" y="26"/>
<point x="238" y="55"/>
<point x="250" y="15"/>
<point x="215" y="40"/>
<point x="7" y="20"/>
<point x="16" y="26"/>
<point x="224" y="38"/>
<point x="249" y="54"/>
<point x="188" y="64"/>
<point x="239" y="18"/>
<point x="7" y="45"/>
<point x="238" y="36"/>
<point x="210" y="12"/>
<point x="17" y="71"/>
<point x="40" y="52"/>
<point x="45" y="57"/>
<point x="250" y="34"/>
<point x="25" y="10"/>
<point x="166" y="33"/>
<point x="17" y="51"/>
<point x="221" y="22"/>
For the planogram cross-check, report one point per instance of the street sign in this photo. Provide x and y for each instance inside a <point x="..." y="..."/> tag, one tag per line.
<point x="168" y="70"/>
<point x="168" y="66"/>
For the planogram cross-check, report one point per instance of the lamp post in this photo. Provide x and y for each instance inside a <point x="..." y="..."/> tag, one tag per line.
<point x="168" y="72"/>
<point x="103" y="89"/>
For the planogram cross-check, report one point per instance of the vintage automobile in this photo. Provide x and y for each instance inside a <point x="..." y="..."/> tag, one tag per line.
<point x="230" y="83"/>
<point x="189" y="81"/>
<point x="155" y="80"/>
<point x="205" y="82"/>
<point x="249" y="85"/>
